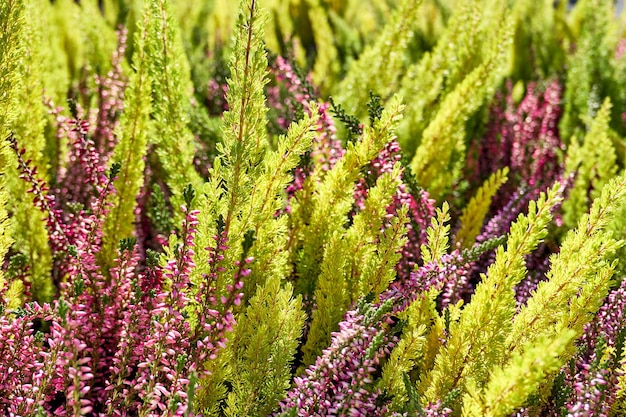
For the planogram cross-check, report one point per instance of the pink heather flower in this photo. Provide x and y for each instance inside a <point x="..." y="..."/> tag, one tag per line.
<point x="287" y="95"/>
<point x="594" y="380"/>
<point x="326" y="150"/>
<point x="341" y="380"/>
<point x="173" y="353"/>
<point x="524" y="138"/>
<point x="110" y="101"/>
<point x="449" y="273"/>
<point x="21" y="366"/>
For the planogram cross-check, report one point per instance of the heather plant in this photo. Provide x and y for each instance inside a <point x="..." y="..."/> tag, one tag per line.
<point x="311" y="208"/>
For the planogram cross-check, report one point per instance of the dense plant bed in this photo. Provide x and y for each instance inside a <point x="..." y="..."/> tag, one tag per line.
<point x="357" y="208"/>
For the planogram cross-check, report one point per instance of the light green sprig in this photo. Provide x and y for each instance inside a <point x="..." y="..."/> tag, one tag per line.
<point x="331" y="296"/>
<point x="476" y="342"/>
<point x="171" y="93"/>
<point x="381" y="64"/>
<point x="438" y="235"/>
<point x="580" y="271"/>
<point x="358" y="261"/>
<point x="402" y="360"/>
<point x="441" y="153"/>
<point x="538" y="51"/>
<point x="595" y="163"/>
<point x="591" y="69"/>
<point x="240" y="157"/>
<point x="457" y="53"/>
<point x="99" y="39"/>
<point x="263" y="348"/>
<point x="333" y="197"/>
<point x="474" y="214"/>
<point x="510" y="385"/>
<point x="29" y="231"/>
<point x="326" y="67"/>
<point x="130" y="150"/>
<point x="11" y="38"/>
<point x="11" y="49"/>
<point x="267" y="198"/>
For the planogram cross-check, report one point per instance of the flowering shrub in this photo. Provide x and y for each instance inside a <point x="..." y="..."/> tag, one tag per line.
<point x="312" y="208"/>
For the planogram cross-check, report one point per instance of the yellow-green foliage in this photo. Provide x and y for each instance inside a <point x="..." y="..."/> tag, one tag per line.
<point x="238" y="196"/>
<point x="271" y="232"/>
<point x="331" y="296"/>
<point x="476" y="341"/>
<point x="55" y="76"/>
<point x="263" y="348"/>
<point x="326" y="65"/>
<point x="29" y="231"/>
<point x="438" y="235"/>
<point x="11" y="16"/>
<point x="66" y="15"/>
<point x="511" y="384"/>
<point x="5" y="231"/>
<point x="578" y="279"/>
<point x="370" y="245"/>
<point x="459" y="50"/>
<point x="11" y="38"/>
<point x="357" y="262"/>
<point x="441" y="153"/>
<point x="537" y="51"/>
<point x="99" y="42"/>
<point x="269" y="325"/>
<point x="130" y="150"/>
<point x="402" y="361"/>
<point x="378" y="270"/>
<point x="228" y="193"/>
<point x="171" y="90"/>
<point x="591" y="68"/>
<point x="12" y="298"/>
<point x="475" y="212"/>
<point x="381" y="64"/>
<point x="594" y="164"/>
<point x="318" y="216"/>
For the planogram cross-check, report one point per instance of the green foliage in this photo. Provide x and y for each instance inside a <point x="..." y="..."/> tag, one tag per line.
<point x="537" y="49"/>
<point x="27" y="125"/>
<point x="438" y="235"/>
<point x="476" y="342"/>
<point x="357" y="262"/>
<point x="579" y="276"/>
<point x="332" y="297"/>
<point x="594" y="164"/>
<point x="474" y="214"/>
<point x="11" y="41"/>
<point x="130" y="150"/>
<point x="316" y="217"/>
<point x="381" y="64"/>
<point x="439" y="158"/>
<point x="402" y="360"/>
<point x="326" y="65"/>
<point x="168" y="69"/>
<point x="5" y="232"/>
<point x="263" y="349"/>
<point x="510" y="385"/>
<point x="593" y="69"/>
<point x="459" y="51"/>
<point x="100" y="39"/>
<point x="270" y="251"/>
<point x="11" y="17"/>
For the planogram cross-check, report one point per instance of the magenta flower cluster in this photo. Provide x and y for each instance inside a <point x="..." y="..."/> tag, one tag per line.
<point x="116" y="343"/>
